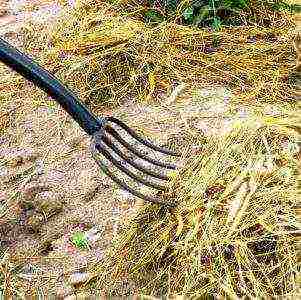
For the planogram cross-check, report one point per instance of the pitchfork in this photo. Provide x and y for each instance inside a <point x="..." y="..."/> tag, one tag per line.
<point x="106" y="139"/>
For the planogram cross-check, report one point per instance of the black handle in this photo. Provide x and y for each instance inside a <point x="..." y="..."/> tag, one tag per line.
<point x="26" y="67"/>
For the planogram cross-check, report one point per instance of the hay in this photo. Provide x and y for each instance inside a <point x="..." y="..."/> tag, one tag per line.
<point x="109" y="55"/>
<point x="227" y="235"/>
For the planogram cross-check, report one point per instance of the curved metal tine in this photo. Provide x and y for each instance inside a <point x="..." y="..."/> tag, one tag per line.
<point x="116" y="135"/>
<point x="141" y="168"/>
<point x="140" y="139"/>
<point x="116" y="163"/>
<point x="126" y="187"/>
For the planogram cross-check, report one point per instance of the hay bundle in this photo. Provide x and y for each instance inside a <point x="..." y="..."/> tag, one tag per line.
<point x="229" y="234"/>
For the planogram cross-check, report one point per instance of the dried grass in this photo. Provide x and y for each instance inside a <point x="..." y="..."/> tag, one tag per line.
<point x="231" y="233"/>
<point x="108" y="55"/>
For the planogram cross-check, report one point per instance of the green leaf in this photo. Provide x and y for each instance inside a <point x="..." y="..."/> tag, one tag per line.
<point x="216" y="24"/>
<point x="79" y="240"/>
<point x="188" y="14"/>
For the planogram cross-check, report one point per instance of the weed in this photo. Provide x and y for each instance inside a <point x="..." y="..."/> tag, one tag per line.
<point x="79" y="240"/>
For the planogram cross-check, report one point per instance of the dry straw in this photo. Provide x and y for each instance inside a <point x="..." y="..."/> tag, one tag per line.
<point x="108" y="54"/>
<point x="229" y="234"/>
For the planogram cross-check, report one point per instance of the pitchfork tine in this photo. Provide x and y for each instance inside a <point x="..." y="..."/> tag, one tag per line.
<point x="116" y="135"/>
<point x="118" y="164"/>
<point x="123" y="184"/>
<point x="130" y="161"/>
<point x="143" y="141"/>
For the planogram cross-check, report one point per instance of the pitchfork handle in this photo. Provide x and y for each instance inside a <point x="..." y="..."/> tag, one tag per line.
<point x="26" y="67"/>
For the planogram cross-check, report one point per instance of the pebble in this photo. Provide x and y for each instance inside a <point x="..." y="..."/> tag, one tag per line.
<point x="40" y="167"/>
<point x="77" y="278"/>
<point x="3" y="172"/>
<point x="64" y="291"/>
<point x="93" y="235"/>
<point x="71" y="297"/>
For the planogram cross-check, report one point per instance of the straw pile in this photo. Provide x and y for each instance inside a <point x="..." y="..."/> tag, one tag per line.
<point x="108" y="54"/>
<point x="230" y="233"/>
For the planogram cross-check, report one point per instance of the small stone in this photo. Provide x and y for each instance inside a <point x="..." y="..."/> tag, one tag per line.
<point x="208" y="50"/>
<point x="64" y="291"/>
<point x="40" y="167"/>
<point x="77" y="278"/>
<point x="4" y="175"/>
<point x="93" y="235"/>
<point x="71" y="297"/>
<point x="252" y="39"/>
<point x="3" y="171"/>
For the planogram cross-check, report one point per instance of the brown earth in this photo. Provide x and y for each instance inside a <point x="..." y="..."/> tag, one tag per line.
<point x="51" y="187"/>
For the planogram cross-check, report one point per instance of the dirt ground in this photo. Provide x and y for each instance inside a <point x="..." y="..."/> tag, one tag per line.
<point x="50" y="186"/>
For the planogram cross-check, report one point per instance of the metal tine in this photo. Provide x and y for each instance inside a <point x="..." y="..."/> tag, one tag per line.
<point x="122" y="184"/>
<point x="116" y="135"/>
<point x="141" y="168"/>
<point x="116" y="163"/>
<point x="140" y="139"/>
